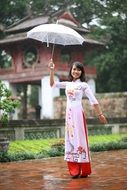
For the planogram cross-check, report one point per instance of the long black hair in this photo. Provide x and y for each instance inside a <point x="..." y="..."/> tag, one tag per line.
<point x="81" y="68"/>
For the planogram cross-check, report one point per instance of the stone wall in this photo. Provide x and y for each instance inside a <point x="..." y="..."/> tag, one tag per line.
<point x="112" y="104"/>
<point x="55" y="128"/>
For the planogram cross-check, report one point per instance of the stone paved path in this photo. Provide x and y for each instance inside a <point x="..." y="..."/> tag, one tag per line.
<point x="109" y="173"/>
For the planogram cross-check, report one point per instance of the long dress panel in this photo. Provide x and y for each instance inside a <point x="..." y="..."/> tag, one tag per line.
<point x="76" y="138"/>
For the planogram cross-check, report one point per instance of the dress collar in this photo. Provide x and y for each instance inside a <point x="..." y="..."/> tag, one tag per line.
<point x="78" y="80"/>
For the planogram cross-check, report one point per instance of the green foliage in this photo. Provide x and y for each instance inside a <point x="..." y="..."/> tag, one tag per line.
<point x="100" y="139"/>
<point x="37" y="149"/>
<point x="57" y="149"/>
<point x="33" y="146"/>
<point x="107" y="142"/>
<point x="5" y="60"/>
<point x="108" y="146"/>
<point x="4" y="157"/>
<point x="111" y="63"/>
<point x="111" y="14"/>
<point x="7" y="103"/>
<point x="12" y="11"/>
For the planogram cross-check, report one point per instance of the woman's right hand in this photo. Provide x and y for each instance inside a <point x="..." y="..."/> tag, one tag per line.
<point x="51" y="65"/>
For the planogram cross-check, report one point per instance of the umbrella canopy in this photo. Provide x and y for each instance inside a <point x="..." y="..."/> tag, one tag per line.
<point x="56" y="34"/>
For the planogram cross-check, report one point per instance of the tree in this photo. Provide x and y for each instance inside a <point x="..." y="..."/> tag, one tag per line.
<point x="112" y="64"/>
<point x="111" y="14"/>
<point x="12" y="11"/>
<point x="7" y="103"/>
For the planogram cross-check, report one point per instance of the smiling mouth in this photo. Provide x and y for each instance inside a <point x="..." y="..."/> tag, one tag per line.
<point x="75" y="75"/>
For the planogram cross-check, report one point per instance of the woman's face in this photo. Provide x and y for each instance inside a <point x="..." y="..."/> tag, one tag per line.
<point x="75" y="72"/>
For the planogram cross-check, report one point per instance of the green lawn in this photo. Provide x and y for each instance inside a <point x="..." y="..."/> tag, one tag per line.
<point x="37" y="146"/>
<point x="31" y="146"/>
<point x="105" y="138"/>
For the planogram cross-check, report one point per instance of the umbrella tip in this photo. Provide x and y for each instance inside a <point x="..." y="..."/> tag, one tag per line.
<point x="47" y="44"/>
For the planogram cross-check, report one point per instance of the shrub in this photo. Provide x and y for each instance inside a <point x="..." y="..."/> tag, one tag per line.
<point x="57" y="149"/>
<point x="7" y="103"/>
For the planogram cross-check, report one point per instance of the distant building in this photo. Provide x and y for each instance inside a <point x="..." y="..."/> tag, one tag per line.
<point x="28" y="59"/>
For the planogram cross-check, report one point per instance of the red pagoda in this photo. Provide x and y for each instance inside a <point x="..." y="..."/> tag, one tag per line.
<point x="28" y="59"/>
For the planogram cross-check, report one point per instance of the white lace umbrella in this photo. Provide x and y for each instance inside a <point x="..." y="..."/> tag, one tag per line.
<point x="56" y="34"/>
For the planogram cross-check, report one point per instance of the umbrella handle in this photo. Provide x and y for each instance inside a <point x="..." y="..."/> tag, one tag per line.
<point x="52" y="54"/>
<point x="51" y="64"/>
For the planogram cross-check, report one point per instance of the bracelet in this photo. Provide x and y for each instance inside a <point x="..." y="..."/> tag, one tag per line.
<point x="100" y="114"/>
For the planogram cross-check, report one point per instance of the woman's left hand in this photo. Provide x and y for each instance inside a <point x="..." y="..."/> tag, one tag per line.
<point x="103" y="119"/>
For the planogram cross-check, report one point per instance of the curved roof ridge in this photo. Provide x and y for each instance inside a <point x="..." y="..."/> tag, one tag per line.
<point x="68" y="16"/>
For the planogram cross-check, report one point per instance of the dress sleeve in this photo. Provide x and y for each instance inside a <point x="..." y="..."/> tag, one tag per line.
<point x="89" y="94"/>
<point x="60" y="84"/>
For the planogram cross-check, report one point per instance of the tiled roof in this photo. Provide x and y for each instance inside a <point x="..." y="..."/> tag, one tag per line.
<point x="18" y="31"/>
<point x="29" y="23"/>
<point x="23" y="36"/>
<point x="68" y="17"/>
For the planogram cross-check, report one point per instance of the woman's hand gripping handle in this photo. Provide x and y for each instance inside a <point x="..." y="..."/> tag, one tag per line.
<point x="51" y="66"/>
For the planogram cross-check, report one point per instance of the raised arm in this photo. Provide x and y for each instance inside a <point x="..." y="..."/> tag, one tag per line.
<point x="51" y="67"/>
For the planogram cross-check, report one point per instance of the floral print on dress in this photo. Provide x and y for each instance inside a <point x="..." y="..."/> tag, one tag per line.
<point x="75" y="156"/>
<point x="71" y="94"/>
<point x="82" y="152"/>
<point x="76" y="143"/>
<point x="69" y="124"/>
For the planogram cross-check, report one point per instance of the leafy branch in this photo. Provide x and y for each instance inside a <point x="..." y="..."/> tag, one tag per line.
<point x="8" y="103"/>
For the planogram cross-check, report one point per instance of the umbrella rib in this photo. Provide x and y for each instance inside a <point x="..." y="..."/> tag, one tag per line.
<point x="47" y="41"/>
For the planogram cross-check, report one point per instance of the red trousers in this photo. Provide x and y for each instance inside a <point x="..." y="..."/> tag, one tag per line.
<point x="79" y="169"/>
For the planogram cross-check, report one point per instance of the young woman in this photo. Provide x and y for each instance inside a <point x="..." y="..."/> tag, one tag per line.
<point x="76" y="138"/>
